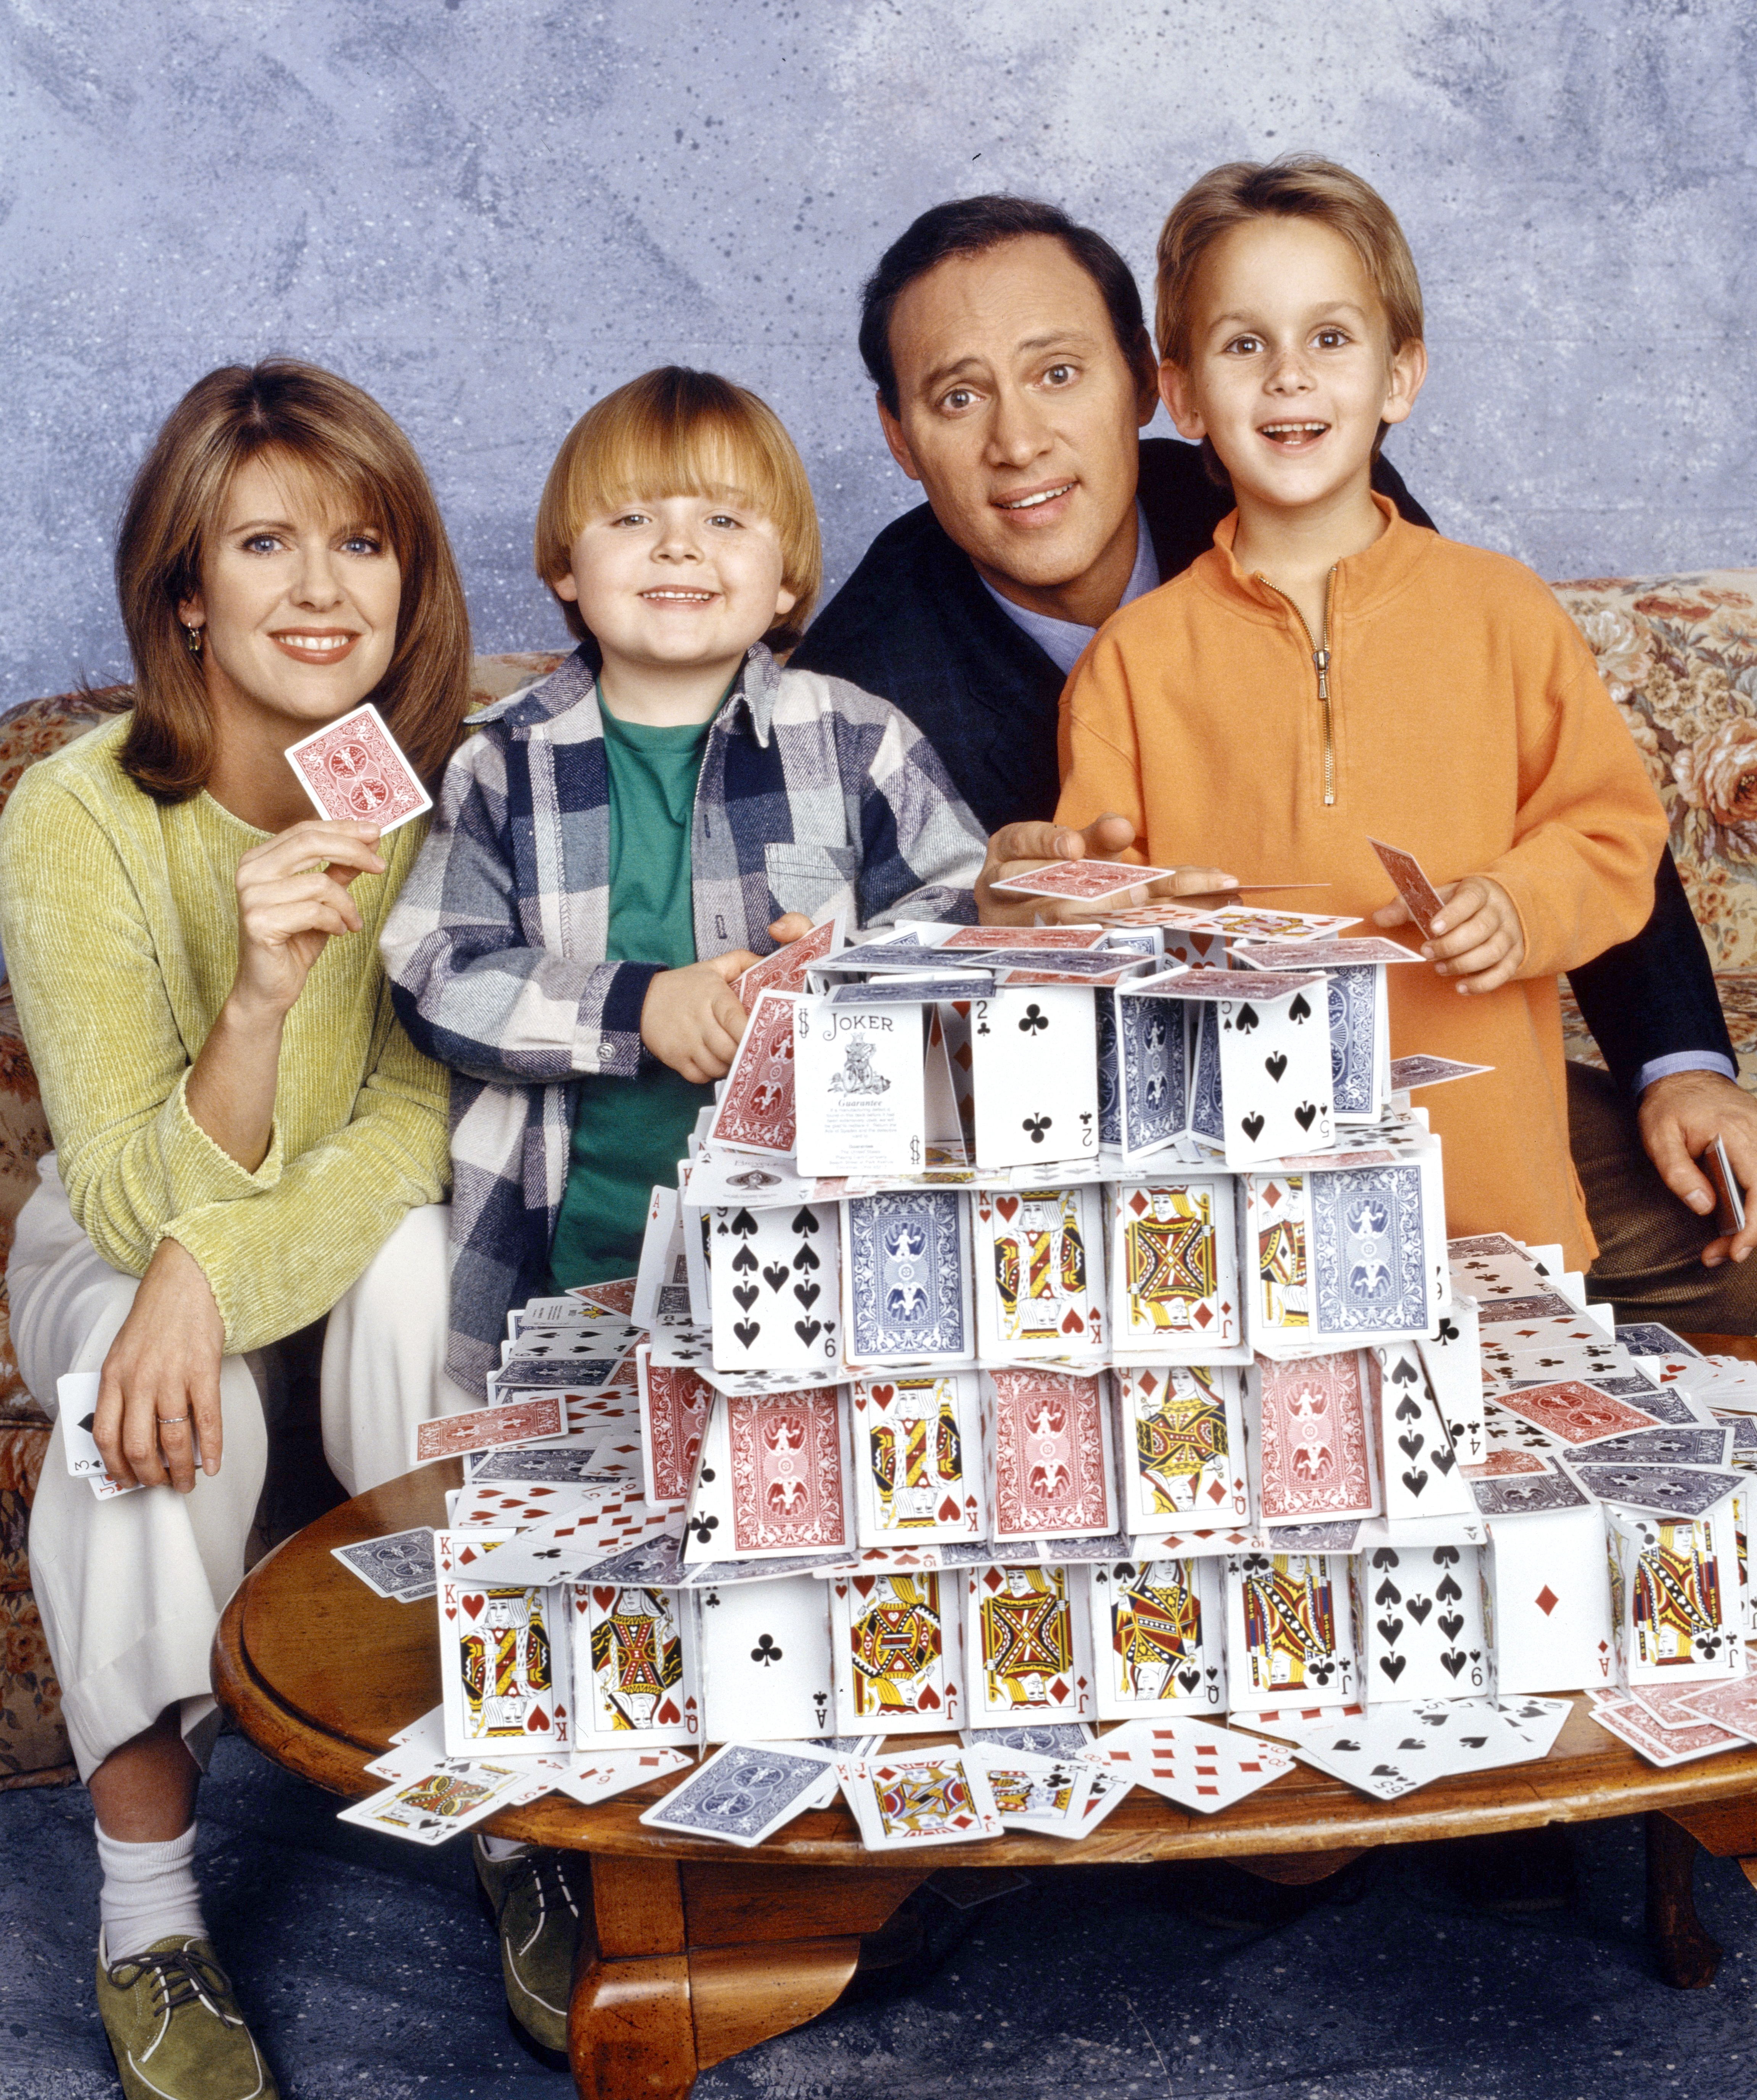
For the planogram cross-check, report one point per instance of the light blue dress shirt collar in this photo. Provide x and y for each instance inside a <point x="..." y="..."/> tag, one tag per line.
<point x="1062" y="640"/>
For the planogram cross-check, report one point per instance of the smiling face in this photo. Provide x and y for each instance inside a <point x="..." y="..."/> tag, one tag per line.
<point x="678" y="584"/>
<point x="297" y="607"/>
<point x="1291" y="371"/>
<point x="1019" y="414"/>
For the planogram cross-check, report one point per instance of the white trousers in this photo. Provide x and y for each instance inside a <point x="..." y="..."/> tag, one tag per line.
<point x="131" y="1589"/>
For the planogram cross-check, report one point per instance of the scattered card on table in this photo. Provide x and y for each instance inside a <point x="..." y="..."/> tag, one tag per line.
<point x="354" y="773"/>
<point x="398" y="1565"/>
<point x="536" y="1421"/>
<point x="744" y="1794"/>
<point x="439" y="1803"/>
<point x="933" y="1797"/>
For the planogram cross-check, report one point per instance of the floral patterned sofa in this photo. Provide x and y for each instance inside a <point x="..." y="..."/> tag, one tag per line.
<point x="1678" y="653"/>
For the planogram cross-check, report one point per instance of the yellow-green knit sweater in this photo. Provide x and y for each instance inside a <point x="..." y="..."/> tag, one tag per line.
<point x="119" y="922"/>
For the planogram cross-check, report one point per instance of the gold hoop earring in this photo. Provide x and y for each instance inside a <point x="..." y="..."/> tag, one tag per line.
<point x="192" y="642"/>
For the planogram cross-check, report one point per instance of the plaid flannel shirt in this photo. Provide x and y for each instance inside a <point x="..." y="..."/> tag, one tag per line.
<point x="813" y="797"/>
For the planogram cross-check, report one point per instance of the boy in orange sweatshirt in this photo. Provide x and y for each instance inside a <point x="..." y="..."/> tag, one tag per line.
<point x="1328" y="672"/>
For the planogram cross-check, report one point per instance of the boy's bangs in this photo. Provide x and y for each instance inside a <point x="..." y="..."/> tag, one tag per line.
<point x="644" y="460"/>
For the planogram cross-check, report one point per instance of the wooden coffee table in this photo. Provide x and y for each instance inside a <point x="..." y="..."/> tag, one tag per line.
<point x="698" y="1952"/>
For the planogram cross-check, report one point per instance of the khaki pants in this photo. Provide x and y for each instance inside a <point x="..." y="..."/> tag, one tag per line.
<point x="1649" y="1246"/>
<point x="131" y="1589"/>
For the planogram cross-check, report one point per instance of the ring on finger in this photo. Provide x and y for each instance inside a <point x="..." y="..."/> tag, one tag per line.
<point x="171" y="1421"/>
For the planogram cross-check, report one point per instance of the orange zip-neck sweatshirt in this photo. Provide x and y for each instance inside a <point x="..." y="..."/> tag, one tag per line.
<point x="1465" y="722"/>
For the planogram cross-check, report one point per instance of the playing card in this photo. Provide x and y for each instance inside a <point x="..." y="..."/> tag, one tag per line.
<point x="1549" y="1591"/>
<point x="745" y="1792"/>
<point x="568" y="1545"/>
<point x="898" y="1652"/>
<point x="1158" y="1632"/>
<point x="662" y="1288"/>
<point x="1419" y="1467"/>
<point x="906" y="1272"/>
<point x="1527" y="1494"/>
<point x="496" y="1505"/>
<point x="773" y="1288"/>
<point x="1732" y="1706"/>
<point x="1408" y="1074"/>
<point x="1047" y="1739"/>
<point x="1574" y="1413"/>
<point x="503" y="1671"/>
<point x="434" y="1805"/>
<point x="1650" y="1338"/>
<point x="766" y="1673"/>
<point x="353" y="772"/>
<point x="860" y="1083"/>
<point x="1691" y="1445"/>
<point x="76" y="1396"/>
<point x="1420" y="1622"/>
<point x="536" y="1421"/>
<point x="635" y="1669"/>
<point x="601" y="1775"/>
<point x="785" y="969"/>
<point x="1045" y="1795"/>
<point x="1175" y="1292"/>
<point x="1034" y="1073"/>
<point x="674" y="1406"/>
<point x="1421" y="899"/>
<point x="1192" y="1763"/>
<point x="1050" y="1447"/>
<point x="1659" y="1490"/>
<point x="1664" y="1747"/>
<point x="1729" y="1198"/>
<point x="983" y="938"/>
<point x="773" y="1479"/>
<point x="1039" y="1274"/>
<point x="398" y="1565"/>
<point x="1306" y="1423"/>
<point x="1675" y="1601"/>
<point x="1181" y="1437"/>
<point x="756" y="1109"/>
<point x="1368" y="1252"/>
<point x="1386" y="1753"/>
<point x="932" y="1797"/>
<point x="917" y="1470"/>
<point x="1152" y="1075"/>
<point x="1290" y="1631"/>
<point x="1089" y="881"/>
<point x="1029" y="1649"/>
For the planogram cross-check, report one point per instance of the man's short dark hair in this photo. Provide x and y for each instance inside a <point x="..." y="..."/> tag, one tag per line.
<point x="971" y="226"/>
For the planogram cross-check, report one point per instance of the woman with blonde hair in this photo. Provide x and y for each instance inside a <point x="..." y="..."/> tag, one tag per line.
<point x="246" y="1142"/>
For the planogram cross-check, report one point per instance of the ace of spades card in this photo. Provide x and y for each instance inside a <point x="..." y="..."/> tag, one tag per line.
<point x="1152" y="1074"/>
<point x="1175" y="1288"/>
<point x="898" y="1648"/>
<point x="918" y="1457"/>
<point x="860" y="1088"/>
<point x="504" y="1655"/>
<point x="1048" y="1438"/>
<point x="1675" y="1597"/>
<point x="773" y="1479"/>
<point x="772" y="1285"/>
<point x="1030" y="1649"/>
<point x="674" y="1405"/>
<point x="1419" y="1620"/>
<point x="1267" y="1043"/>
<point x="1180" y="1435"/>
<point x="1290" y="1631"/>
<point x="906" y="1278"/>
<point x="1309" y="1433"/>
<point x="1034" y="1075"/>
<point x="1039" y="1289"/>
<point x="1419" y="1467"/>
<point x="1159" y="1637"/>
<point x="1549" y="1602"/>
<point x="766" y="1672"/>
<point x="635" y="1667"/>
<point x="756" y="1110"/>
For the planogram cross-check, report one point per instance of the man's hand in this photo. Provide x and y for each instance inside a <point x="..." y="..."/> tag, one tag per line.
<point x="161" y="1380"/>
<point x="1477" y="938"/>
<point x="1016" y="848"/>
<point x="691" y="1019"/>
<point x="1681" y="1117"/>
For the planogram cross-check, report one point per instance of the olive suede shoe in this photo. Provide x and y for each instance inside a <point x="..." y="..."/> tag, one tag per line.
<point x="175" y="2026"/>
<point x="537" y="1899"/>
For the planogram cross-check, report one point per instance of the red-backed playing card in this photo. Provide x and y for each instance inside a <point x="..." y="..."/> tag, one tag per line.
<point x="784" y="970"/>
<point x="1423" y="900"/>
<point x="1087" y="881"/>
<point x="490" y="1428"/>
<point x="755" y="1112"/>
<point x="352" y="769"/>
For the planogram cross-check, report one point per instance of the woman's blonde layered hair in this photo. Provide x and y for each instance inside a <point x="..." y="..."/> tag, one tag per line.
<point x="335" y="434"/>
<point x="675" y="432"/>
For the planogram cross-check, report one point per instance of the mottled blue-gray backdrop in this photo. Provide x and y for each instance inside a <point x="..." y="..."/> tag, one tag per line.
<point x="488" y="212"/>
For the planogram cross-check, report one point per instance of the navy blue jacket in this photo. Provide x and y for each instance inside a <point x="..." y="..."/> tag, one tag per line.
<point x="915" y="623"/>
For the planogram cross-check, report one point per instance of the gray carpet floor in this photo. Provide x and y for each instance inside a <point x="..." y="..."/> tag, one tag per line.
<point x="367" y="1969"/>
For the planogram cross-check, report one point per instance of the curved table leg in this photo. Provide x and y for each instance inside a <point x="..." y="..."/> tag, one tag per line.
<point x="1688" y="1957"/>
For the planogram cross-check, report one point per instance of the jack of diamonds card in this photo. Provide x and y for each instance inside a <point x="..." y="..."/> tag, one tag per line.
<point x="1290" y="1631"/>
<point x="634" y="1663"/>
<point x="1159" y="1631"/>
<point x="674" y="1405"/>
<point x="918" y="1446"/>
<point x="1174" y="1273"/>
<point x="1041" y="1290"/>
<point x="1029" y="1649"/>
<point x="1311" y="1440"/>
<point x="898" y="1652"/>
<point x="1180" y="1434"/>
<point x="1048" y="1438"/>
<point x="504" y="1673"/>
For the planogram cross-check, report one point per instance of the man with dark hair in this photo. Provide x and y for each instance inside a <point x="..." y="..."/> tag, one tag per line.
<point x="1014" y="373"/>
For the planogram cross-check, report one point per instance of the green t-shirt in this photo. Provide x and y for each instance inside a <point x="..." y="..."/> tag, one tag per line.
<point x="629" y="1134"/>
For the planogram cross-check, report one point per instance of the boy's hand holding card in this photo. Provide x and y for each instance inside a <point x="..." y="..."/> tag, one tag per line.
<point x="1472" y="929"/>
<point x="1017" y="886"/>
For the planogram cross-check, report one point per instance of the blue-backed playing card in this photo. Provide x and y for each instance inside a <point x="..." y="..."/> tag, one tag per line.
<point x="1674" y="1491"/>
<point x="398" y="1565"/>
<point x="1692" y="1445"/>
<point x="745" y="1794"/>
<point x="1649" y="1338"/>
<point x="1525" y="1494"/>
<point x="1207" y="1114"/>
<point x="1353" y="1001"/>
<point x="1110" y="1096"/>
<point x="1365" y="1252"/>
<point x="1152" y="1073"/>
<point x="906" y="1277"/>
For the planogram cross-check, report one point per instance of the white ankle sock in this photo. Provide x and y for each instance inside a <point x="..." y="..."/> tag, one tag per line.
<point x="503" y="1848"/>
<point x="149" y="1892"/>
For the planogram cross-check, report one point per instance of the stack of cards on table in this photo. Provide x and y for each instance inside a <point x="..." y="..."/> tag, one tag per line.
<point x="1049" y="1375"/>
